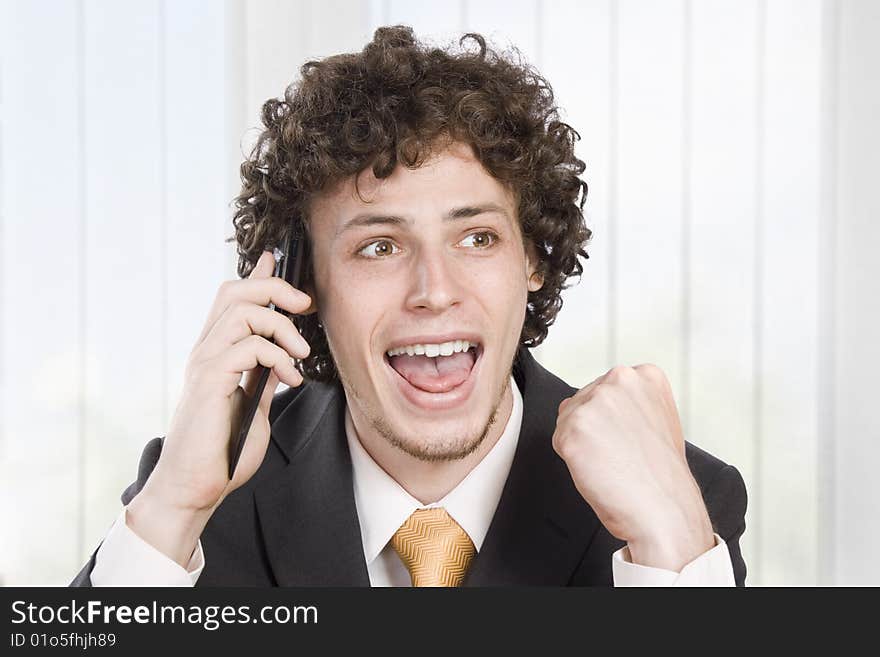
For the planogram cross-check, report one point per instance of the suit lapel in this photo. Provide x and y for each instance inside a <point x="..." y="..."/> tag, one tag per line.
<point x="542" y="526"/>
<point x="306" y="510"/>
<point x="308" y="518"/>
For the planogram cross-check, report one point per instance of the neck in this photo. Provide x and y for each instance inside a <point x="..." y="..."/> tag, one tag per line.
<point x="428" y="481"/>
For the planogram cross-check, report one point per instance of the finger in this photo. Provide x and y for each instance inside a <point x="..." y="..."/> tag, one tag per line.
<point x="655" y="385"/>
<point x="258" y="292"/>
<point x="241" y="320"/>
<point x="269" y="392"/>
<point x="587" y="389"/>
<point x="634" y="400"/>
<point x="566" y="406"/>
<point x="253" y="351"/>
<point x="263" y="269"/>
<point x="265" y="266"/>
<point x="252" y="378"/>
<point x="659" y="390"/>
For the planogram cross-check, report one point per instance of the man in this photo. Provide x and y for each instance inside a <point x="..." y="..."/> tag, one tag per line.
<point x="439" y="193"/>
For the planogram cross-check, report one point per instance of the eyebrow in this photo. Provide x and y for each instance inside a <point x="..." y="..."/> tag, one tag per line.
<point x="463" y="212"/>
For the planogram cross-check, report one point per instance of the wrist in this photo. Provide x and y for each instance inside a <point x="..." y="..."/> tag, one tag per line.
<point x="672" y="545"/>
<point x="172" y="528"/>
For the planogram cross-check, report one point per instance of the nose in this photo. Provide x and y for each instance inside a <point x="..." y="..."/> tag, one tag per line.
<point x="435" y="284"/>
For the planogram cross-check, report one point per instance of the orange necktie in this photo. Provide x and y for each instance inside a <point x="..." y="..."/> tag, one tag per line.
<point x="434" y="548"/>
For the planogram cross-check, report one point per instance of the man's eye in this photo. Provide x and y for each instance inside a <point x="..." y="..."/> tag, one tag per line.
<point x="481" y="240"/>
<point x="378" y="249"/>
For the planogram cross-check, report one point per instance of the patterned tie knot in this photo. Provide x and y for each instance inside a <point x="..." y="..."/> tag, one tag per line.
<point x="434" y="548"/>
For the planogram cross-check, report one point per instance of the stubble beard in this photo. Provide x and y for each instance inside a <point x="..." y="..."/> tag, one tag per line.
<point x="449" y="448"/>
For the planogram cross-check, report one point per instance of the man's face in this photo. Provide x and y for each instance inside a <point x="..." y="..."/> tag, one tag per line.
<point x="427" y="257"/>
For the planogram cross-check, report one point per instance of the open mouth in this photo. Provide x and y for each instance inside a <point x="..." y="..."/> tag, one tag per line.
<point x="435" y="375"/>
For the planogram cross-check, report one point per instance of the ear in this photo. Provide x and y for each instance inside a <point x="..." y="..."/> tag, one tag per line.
<point x="536" y="280"/>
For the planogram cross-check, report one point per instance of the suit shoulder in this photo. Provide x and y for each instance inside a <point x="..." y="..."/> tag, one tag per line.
<point x="704" y="466"/>
<point x="721" y="484"/>
<point x="530" y="375"/>
<point x="149" y="457"/>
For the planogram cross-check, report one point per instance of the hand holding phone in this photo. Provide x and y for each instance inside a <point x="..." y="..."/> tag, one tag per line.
<point x="241" y="335"/>
<point x="284" y="265"/>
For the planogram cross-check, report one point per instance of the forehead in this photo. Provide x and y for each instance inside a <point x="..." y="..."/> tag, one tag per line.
<point x="451" y="177"/>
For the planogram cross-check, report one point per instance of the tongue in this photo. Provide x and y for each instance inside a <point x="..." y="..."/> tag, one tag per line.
<point x="438" y="374"/>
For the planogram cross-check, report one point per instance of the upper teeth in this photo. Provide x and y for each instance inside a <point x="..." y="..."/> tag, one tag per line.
<point x="442" y="349"/>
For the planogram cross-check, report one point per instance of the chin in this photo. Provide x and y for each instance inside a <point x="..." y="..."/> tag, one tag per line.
<point x="439" y="441"/>
<point x="441" y="435"/>
<point x="435" y="397"/>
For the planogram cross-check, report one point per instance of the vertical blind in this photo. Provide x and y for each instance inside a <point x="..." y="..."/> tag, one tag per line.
<point x="704" y="128"/>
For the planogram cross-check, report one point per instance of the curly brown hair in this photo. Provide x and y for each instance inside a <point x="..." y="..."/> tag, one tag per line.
<point x="391" y="104"/>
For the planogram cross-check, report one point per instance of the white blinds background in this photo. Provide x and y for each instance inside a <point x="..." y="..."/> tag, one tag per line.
<point x="724" y="141"/>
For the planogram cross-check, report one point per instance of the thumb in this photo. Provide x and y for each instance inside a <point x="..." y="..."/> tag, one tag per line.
<point x="269" y="392"/>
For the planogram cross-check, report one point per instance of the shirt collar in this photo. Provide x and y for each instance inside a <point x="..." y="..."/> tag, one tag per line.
<point x="383" y="505"/>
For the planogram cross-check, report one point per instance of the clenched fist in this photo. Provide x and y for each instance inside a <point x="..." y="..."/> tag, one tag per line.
<point x="622" y="441"/>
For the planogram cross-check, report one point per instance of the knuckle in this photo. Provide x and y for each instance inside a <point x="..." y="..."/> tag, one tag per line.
<point x="558" y="442"/>
<point x="285" y="323"/>
<point x="225" y="289"/>
<point x="566" y="445"/>
<point x="292" y="341"/>
<point x="650" y="371"/>
<point x="580" y="418"/>
<point x="306" y="349"/>
<point x="256" y="343"/>
<point x="280" y="354"/>
<point x="279" y="324"/>
<point x="620" y="374"/>
<point x="655" y="376"/>
<point x="238" y="310"/>
<point x="601" y="394"/>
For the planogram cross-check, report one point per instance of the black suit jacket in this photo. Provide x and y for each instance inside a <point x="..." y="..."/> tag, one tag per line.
<point x="295" y="523"/>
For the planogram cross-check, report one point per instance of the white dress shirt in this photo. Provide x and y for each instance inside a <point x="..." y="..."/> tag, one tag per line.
<point x="471" y="503"/>
<point x="124" y="559"/>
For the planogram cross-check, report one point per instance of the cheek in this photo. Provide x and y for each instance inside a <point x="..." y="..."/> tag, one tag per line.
<point x="514" y="312"/>
<point x="351" y="311"/>
<point x="505" y="292"/>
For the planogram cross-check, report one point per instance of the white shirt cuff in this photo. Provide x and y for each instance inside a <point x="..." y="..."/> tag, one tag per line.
<point x="712" y="568"/>
<point x="125" y="559"/>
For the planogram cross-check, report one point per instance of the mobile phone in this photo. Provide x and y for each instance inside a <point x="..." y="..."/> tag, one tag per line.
<point x="288" y="267"/>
